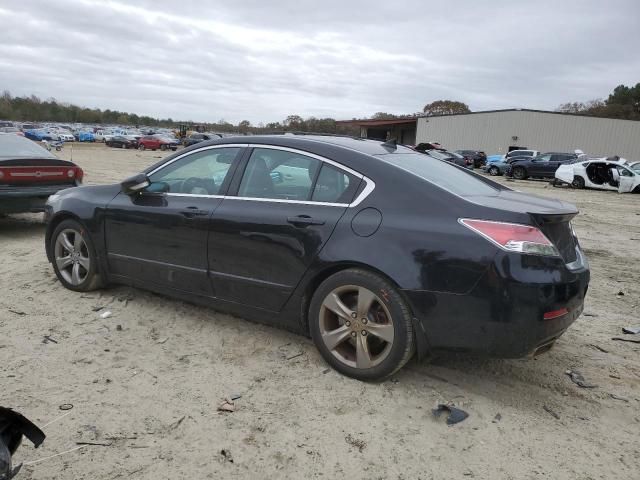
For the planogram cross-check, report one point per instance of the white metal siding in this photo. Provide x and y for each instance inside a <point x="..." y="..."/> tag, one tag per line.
<point x="492" y="132"/>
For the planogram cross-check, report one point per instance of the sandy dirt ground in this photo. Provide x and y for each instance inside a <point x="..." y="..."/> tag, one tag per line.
<point x="146" y="382"/>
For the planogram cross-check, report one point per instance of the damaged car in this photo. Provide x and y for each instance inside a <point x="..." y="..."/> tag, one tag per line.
<point x="611" y="173"/>
<point x="367" y="248"/>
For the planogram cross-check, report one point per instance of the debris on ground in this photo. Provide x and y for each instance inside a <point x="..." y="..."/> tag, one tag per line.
<point x="618" y="397"/>
<point x="97" y="308"/>
<point x="456" y="415"/>
<point x="177" y="423"/>
<point x="18" y="312"/>
<point x="98" y="444"/>
<point x="551" y="412"/>
<point x="631" y="330"/>
<point x="577" y="378"/>
<point x="48" y="339"/>
<point x="598" y="347"/>
<point x="226" y="455"/>
<point x="235" y="396"/>
<point x="295" y="356"/>
<point x="497" y="418"/>
<point x="620" y="339"/>
<point x="119" y="327"/>
<point x="620" y="294"/>
<point x="66" y="406"/>
<point x="106" y="314"/>
<point x="13" y="426"/>
<point x="163" y="340"/>
<point x="356" y="442"/>
<point x="227" y="406"/>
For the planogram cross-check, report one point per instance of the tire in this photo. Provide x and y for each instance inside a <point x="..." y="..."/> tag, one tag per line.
<point x="123" y="146"/>
<point x="494" y="171"/>
<point x="81" y="255"/>
<point x="387" y="311"/>
<point x="141" y="147"/>
<point x="163" y="147"/>
<point x="578" y="182"/>
<point x="519" y="173"/>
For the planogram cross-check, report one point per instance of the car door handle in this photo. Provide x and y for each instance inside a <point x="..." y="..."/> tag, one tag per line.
<point x="191" y="212"/>
<point x="304" y="221"/>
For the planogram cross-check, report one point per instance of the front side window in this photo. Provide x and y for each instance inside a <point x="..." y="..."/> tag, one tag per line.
<point x="543" y="158"/>
<point x="624" y="172"/>
<point x="200" y="173"/>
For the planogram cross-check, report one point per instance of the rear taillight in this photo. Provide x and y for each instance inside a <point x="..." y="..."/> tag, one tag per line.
<point x="513" y="237"/>
<point x="79" y="174"/>
<point x="555" y="314"/>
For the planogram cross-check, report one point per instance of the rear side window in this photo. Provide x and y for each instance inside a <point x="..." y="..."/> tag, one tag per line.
<point x="284" y="175"/>
<point x="456" y="180"/>
<point x="333" y="186"/>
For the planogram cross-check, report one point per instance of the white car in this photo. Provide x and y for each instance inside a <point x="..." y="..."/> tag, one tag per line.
<point x="521" y="153"/>
<point x="63" y="136"/>
<point x="612" y="173"/>
<point x="104" y="135"/>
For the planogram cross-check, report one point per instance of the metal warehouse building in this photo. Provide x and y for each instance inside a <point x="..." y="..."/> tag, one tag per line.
<point x="496" y="130"/>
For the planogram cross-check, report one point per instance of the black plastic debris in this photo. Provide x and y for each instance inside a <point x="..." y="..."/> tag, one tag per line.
<point x="455" y="414"/>
<point x="550" y="411"/>
<point x="631" y="330"/>
<point x="631" y="340"/>
<point x="577" y="378"/>
<point x="12" y="427"/>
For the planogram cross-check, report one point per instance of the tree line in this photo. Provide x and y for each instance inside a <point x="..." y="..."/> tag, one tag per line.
<point x="623" y="102"/>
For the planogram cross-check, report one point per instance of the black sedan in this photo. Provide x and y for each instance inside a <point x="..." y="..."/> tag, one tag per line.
<point x="365" y="246"/>
<point x="479" y="158"/>
<point x="121" y="142"/>
<point x="540" y="166"/>
<point x="29" y="174"/>
<point x="200" y="137"/>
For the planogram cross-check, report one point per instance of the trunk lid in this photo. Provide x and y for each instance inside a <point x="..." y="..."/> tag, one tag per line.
<point x="39" y="171"/>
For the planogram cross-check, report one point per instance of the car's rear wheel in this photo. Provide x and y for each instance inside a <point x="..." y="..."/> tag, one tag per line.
<point x="519" y="173"/>
<point x="74" y="258"/>
<point x="163" y="147"/>
<point x="123" y="146"/>
<point x="361" y="325"/>
<point x="578" y="182"/>
<point x="494" y="171"/>
<point x="141" y="146"/>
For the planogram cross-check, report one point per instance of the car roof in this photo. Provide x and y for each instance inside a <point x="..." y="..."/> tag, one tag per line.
<point x="362" y="145"/>
<point x="14" y="146"/>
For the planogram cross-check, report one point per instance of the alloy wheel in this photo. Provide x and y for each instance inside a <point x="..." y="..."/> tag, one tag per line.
<point x="493" y="171"/>
<point x="356" y="326"/>
<point x="72" y="257"/>
<point x="519" y="173"/>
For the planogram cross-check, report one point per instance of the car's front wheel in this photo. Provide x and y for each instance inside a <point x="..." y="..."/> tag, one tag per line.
<point x="494" y="171"/>
<point x="578" y="182"/>
<point x="361" y="325"/>
<point x="74" y="258"/>
<point x="141" y="146"/>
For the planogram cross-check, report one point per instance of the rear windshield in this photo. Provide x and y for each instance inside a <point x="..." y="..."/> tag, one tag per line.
<point x="13" y="146"/>
<point x="442" y="174"/>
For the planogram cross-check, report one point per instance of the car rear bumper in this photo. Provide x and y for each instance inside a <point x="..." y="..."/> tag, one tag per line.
<point x="502" y="317"/>
<point x="28" y="198"/>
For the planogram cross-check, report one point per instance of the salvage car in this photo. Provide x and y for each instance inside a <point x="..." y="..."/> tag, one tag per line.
<point x="29" y="174"/>
<point x="153" y="142"/>
<point x="479" y="158"/>
<point x="496" y="168"/>
<point x="119" y="141"/>
<point x="450" y="157"/>
<point x="364" y="246"/>
<point x="612" y="173"/>
<point x="200" y="137"/>
<point x="540" y="166"/>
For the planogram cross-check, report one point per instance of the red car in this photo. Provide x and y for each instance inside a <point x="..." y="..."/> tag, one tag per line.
<point x="29" y="175"/>
<point x="154" y="143"/>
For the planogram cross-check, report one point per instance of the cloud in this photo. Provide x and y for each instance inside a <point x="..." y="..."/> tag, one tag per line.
<point x="262" y="61"/>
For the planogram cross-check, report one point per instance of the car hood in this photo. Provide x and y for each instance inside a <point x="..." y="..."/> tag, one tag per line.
<point x="519" y="202"/>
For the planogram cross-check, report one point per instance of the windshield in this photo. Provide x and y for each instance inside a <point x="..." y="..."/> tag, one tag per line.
<point x="456" y="180"/>
<point x="635" y="167"/>
<point x="14" y="146"/>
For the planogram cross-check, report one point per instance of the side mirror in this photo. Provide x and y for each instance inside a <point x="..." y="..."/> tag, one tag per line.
<point x="135" y="184"/>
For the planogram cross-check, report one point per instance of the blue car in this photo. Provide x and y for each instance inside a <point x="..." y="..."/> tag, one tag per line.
<point x="496" y="168"/>
<point x="38" y="135"/>
<point x="86" y="137"/>
<point x="495" y="158"/>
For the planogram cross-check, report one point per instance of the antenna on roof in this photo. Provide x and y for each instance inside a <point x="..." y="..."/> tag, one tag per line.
<point x="391" y="143"/>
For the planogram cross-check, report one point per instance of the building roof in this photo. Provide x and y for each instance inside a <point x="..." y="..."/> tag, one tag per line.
<point x="376" y="122"/>
<point x="393" y="121"/>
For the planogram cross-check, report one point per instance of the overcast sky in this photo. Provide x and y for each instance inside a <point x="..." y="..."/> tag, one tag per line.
<point x="263" y="60"/>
